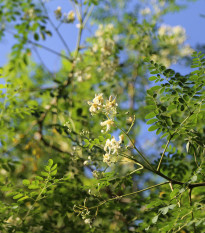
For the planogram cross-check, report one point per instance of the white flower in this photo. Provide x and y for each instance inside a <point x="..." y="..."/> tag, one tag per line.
<point x="93" y="108"/>
<point x="108" y="123"/>
<point x="121" y="138"/>
<point x="106" y="158"/>
<point x="111" y="146"/>
<point x="110" y="106"/>
<point x="85" y="162"/>
<point x="95" y="48"/>
<point x="145" y="11"/>
<point x="95" y="173"/>
<point x="96" y="104"/>
<point x="71" y="16"/>
<point x="98" y="99"/>
<point x="79" y="25"/>
<point x="87" y="221"/>
<point x="58" y="12"/>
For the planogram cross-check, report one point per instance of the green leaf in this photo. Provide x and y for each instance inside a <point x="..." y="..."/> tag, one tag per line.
<point x="91" y="146"/>
<point x="38" y="178"/>
<point x="150" y="115"/>
<point x="87" y="143"/>
<point x="96" y="141"/>
<point x="53" y="173"/>
<point x="50" y="163"/>
<point x="155" y="88"/>
<point x="152" y="121"/>
<point x="54" y="167"/>
<point x="146" y="59"/>
<point x="36" y="36"/>
<point x="17" y="196"/>
<point x="26" y="182"/>
<point x="101" y="138"/>
<point x="23" y="198"/>
<point x="108" y="136"/>
<point x="154" y="72"/>
<point x="164" y="135"/>
<point x="153" y="127"/>
<point x="66" y="177"/>
<point x="47" y="168"/>
<point x="152" y="78"/>
<point x="174" y="193"/>
<point x="33" y="186"/>
<point x="159" y="131"/>
<point x="44" y="174"/>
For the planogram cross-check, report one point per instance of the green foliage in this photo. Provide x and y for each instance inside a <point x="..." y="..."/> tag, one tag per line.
<point x="106" y="88"/>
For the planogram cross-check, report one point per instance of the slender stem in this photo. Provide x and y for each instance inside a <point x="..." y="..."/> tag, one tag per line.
<point x="122" y="177"/>
<point x="158" y="168"/>
<point x="193" y="185"/>
<point x="142" y="156"/>
<point x="195" y="159"/>
<point x="37" y="199"/>
<point x="133" y="121"/>
<point x="4" y="104"/>
<point x="55" y="28"/>
<point x="160" y="162"/>
<point x="43" y="46"/>
<point x="171" y="187"/>
<point x="88" y="15"/>
<point x="192" y="214"/>
<point x="41" y="60"/>
<point x="128" y="194"/>
<point x="49" y="49"/>
<point x="78" y="40"/>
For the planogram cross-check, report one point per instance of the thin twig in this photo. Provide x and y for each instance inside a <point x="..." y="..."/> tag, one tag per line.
<point x="56" y="28"/>
<point x="160" y="162"/>
<point x="41" y="60"/>
<point x="88" y="15"/>
<point x="192" y="214"/>
<point x="141" y="155"/>
<point x="49" y="49"/>
<point x="129" y="194"/>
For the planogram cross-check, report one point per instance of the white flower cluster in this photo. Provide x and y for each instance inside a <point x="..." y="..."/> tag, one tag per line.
<point x="97" y="105"/>
<point x="145" y="11"/>
<point x="105" y="42"/>
<point x="81" y="73"/>
<point x="58" y="12"/>
<point x="111" y="148"/>
<point x="172" y="43"/>
<point x="67" y="17"/>
<point x="29" y="14"/>
<point x="104" y="47"/>
<point x="109" y="109"/>
<point x="85" y="216"/>
<point x="175" y="34"/>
